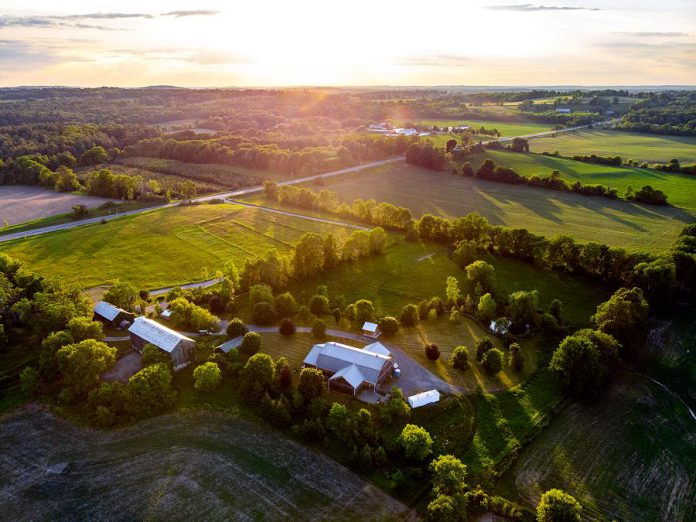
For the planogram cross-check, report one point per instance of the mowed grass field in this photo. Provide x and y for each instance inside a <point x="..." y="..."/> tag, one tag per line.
<point x="680" y="188"/>
<point x="630" y="456"/>
<point x="164" y="247"/>
<point x="615" y="223"/>
<point x="508" y="130"/>
<point x="629" y="145"/>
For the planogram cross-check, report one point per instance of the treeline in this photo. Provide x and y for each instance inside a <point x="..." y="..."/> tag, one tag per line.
<point x="672" y="165"/>
<point x="654" y="274"/>
<point x="672" y="112"/>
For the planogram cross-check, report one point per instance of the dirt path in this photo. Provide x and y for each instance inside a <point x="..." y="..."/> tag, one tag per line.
<point x="300" y="216"/>
<point x="193" y="466"/>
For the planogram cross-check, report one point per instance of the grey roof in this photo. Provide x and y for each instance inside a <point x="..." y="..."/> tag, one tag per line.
<point x="159" y="335"/>
<point x="351" y="374"/>
<point x="370" y="327"/>
<point x="333" y="357"/>
<point x="421" y="399"/>
<point x="107" y="310"/>
<point x="378" y="348"/>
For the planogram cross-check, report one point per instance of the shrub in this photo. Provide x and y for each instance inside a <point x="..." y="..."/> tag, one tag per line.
<point x="285" y="305"/>
<point x="319" y="305"/>
<point x="319" y="329"/>
<point x="311" y="384"/>
<point x="207" y="377"/>
<point x="515" y="360"/>
<point x="287" y="327"/>
<point x="251" y="343"/>
<point x="29" y="379"/>
<point x="236" y="328"/>
<point x="492" y="361"/>
<point x="558" y="506"/>
<point x="153" y="355"/>
<point x="389" y="325"/>
<point x="432" y="351"/>
<point x="415" y="441"/>
<point x="264" y="313"/>
<point x="460" y="358"/>
<point x="482" y="347"/>
<point x="261" y="293"/>
<point x="409" y="315"/>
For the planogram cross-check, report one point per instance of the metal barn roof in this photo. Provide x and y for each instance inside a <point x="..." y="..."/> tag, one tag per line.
<point x="369" y="327"/>
<point x="107" y="310"/>
<point x="351" y="374"/>
<point x="159" y="335"/>
<point x="378" y="348"/>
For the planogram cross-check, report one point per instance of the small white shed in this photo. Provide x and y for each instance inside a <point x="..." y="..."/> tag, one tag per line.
<point x="422" y="399"/>
<point x="370" y="329"/>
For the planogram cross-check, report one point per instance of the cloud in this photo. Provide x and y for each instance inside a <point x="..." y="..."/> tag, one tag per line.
<point x="528" y="8"/>
<point x="648" y="34"/>
<point x="436" y="60"/>
<point x="76" y="21"/>
<point x="18" y="54"/>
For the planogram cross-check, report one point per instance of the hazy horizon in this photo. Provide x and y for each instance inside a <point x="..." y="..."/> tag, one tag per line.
<point x="486" y="42"/>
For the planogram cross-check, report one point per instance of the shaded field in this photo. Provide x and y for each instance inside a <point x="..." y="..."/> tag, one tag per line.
<point x="176" y="467"/>
<point x="628" y="145"/>
<point x="680" y="188"/>
<point x="20" y="203"/>
<point x="549" y="213"/>
<point x="628" y="457"/>
<point x="508" y="130"/>
<point x="164" y="247"/>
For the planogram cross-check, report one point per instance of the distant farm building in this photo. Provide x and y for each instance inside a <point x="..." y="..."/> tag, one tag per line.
<point x="351" y="369"/>
<point x="423" y="399"/>
<point x="379" y="128"/>
<point x="405" y="132"/>
<point x="179" y="347"/>
<point x="371" y="329"/>
<point x="110" y="314"/>
<point x="564" y="110"/>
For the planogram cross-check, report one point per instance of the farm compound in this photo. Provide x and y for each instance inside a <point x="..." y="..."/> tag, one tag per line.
<point x="110" y="314"/>
<point x="351" y="369"/>
<point x="179" y="347"/>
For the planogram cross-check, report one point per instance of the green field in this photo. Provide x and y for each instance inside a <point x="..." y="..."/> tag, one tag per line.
<point x="629" y="145"/>
<point x="628" y="457"/>
<point x="164" y="247"/>
<point x="507" y="129"/>
<point x="680" y="188"/>
<point x="615" y="223"/>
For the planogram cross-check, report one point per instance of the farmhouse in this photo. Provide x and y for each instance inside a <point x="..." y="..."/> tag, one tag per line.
<point x="350" y="369"/>
<point x="179" y="347"/>
<point x="110" y="314"/>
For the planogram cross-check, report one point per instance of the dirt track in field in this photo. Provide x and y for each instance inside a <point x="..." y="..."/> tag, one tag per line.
<point x="20" y="203"/>
<point x="197" y="466"/>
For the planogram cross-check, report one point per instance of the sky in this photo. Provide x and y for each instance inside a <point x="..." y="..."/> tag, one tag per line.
<point x="211" y="43"/>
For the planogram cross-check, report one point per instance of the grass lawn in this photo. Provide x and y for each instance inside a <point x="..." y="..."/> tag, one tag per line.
<point x="630" y="456"/>
<point x="508" y="130"/>
<point x="163" y="247"/>
<point x="615" y="223"/>
<point x="652" y="148"/>
<point x="680" y="188"/>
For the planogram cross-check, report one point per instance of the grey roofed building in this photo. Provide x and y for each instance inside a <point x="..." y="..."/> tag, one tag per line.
<point x="146" y="331"/>
<point x="109" y="313"/>
<point x="349" y="363"/>
<point x="379" y="348"/>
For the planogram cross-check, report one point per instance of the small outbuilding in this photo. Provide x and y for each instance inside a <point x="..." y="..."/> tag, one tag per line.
<point x="110" y="314"/>
<point x="423" y="399"/>
<point x="179" y="347"/>
<point x="371" y="329"/>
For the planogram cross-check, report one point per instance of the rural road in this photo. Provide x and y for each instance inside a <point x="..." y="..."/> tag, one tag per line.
<point x="552" y="132"/>
<point x="223" y="195"/>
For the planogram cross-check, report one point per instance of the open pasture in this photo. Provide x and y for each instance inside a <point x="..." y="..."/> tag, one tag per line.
<point x="22" y="203"/>
<point x="541" y="211"/>
<point x="164" y="247"/>
<point x="651" y="148"/>
<point x="680" y="188"/>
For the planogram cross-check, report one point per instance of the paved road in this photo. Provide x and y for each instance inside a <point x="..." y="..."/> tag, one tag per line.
<point x="223" y="195"/>
<point x="552" y="132"/>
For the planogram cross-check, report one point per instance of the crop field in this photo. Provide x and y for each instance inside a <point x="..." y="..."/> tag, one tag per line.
<point x="162" y="248"/>
<point x="615" y="223"/>
<point x="21" y="203"/>
<point x="629" y="145"/>
<point x="628" y="457"/>
<point x="176" y="467"/>
<point x="507" y="129"/>
<point x="680" y="188"/>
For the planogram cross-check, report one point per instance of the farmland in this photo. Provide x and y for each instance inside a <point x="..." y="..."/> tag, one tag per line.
<point x="20" y="203"/>
<point x="176" y="467"/>
<point x="165" y="247"/>
<point x="506" y="129"/>
<point x="680" y="188"/>
<point x="615" y="223"/>
<point x="628" y="457"/>
<point x="629" y="145"/>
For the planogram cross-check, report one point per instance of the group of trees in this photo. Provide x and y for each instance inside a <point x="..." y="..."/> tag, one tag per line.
<point x="191" y="316"/>
<point x="669" y="112"/>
